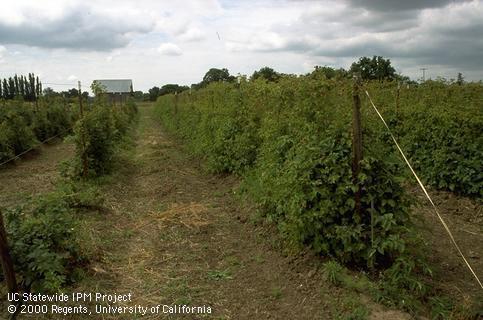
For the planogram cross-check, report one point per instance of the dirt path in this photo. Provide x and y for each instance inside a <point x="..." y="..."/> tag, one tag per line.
<point x="176" y="235"/>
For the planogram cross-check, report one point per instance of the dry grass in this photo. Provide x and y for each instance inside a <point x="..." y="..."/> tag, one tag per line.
<point x="191" y="215"/>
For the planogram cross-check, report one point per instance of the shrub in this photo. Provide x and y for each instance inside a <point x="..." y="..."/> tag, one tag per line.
<point x="291" y="141"/>
<point x="438" y="125"/>
<point x="22" y="126"/>
<point x="51" y="121"/>
<point x="44" y="246"/>
<point x="16" y="131"/>
<point x="96" y="136"/>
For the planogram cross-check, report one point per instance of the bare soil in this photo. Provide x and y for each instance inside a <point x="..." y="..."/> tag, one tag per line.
<point x="464" y="217"/>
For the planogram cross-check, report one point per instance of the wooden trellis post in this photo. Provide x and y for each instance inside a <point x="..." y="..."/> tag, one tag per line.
<point x="83" y="141"/>
<point x="356" y="141"/>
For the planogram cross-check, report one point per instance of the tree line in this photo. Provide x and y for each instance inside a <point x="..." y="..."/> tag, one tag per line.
<point x="70" y="94"/>
<point x="375" y="68"/>
<point x="27" y="87"/>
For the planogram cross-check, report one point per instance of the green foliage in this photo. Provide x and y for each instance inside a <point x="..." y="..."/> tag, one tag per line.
<point x="402" y="284"/>
<point x="153" y="93"/>
<point x="6" y="150"/>
<point x="290" y="141"/>
<point x="220" y="275"/>
<point x="16" y="135"/>
<point x="172" y="88"/>
<point x="326" y="72"/>
<point x="333" y="272"/>
<point x="42" y="237"/>
<point x="217" y="75"/>
<point x="460" y="80"/>
<point x="354" y="310"/>
<point x="96" y="136"/>
<point x="440" y="307"/>
<point x="439" y="127"/>
<point x="97" y="88"/>
<point x="266" y="73"/>
<point x="27" y="88"/>
<point x="55" y="120"/>
<point x="94" y="139"/>
<point x="376" y="68"/>
<point x="450" y="151"/>
<point x="22" y="125"/>
<point x="220" y="128"/>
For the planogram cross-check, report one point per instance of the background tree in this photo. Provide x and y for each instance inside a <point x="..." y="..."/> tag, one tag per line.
<point x="138" y="95"/>
<point x="153" y="93"/>
<point x="11" y="88"/>
<point x="328" y="72"/>
<point x="214" y="75"/>
<point x="196" y="86"/>
<point x="72" y="93"/>
<point x="376" y="68"/>
<point x="96" y="87"/>
<point x="38" y="87"/>
<point x="460" y="79"/>
<point x="22" y="86"/>
<point x="31" y="96"/>
<point x="17" y="87"/>
<point x="49" y="92"/>
<point x="172" y="88"/>
<point x="266" y="73"/>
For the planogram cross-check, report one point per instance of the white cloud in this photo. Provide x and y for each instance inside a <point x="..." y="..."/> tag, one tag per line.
<point x="110" y="57"/>
<point x="169" y="49"/>
<point x="71" y="24"/>
<point x="2" y="51"/>
<point x="72" y="77"/>
<point x="192" y="35"/>
<point x="121" y="38"/>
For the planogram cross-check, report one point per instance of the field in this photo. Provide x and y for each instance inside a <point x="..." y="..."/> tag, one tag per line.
<point x="241" y="197"/>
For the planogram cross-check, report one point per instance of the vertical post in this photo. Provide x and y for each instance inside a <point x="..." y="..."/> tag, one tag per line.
<point x="6" y="260"/>
<point x="356" y="141"/>
<point x="83" y="141"/>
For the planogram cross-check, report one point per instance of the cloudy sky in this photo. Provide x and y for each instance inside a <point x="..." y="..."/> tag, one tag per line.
<point x="159" y="42"/>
